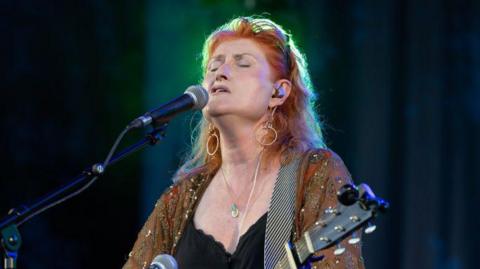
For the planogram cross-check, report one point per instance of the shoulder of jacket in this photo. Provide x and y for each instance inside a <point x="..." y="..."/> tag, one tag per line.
<point x="319" y="161"/>
<point x="181" y="186"/>
<point x="318" y="155"/>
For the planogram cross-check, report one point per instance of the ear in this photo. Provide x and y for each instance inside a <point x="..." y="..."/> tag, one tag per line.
<point x="280" y="92"/>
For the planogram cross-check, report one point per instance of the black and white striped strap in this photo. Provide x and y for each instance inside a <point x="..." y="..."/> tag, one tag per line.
<point x="280" y="214"/>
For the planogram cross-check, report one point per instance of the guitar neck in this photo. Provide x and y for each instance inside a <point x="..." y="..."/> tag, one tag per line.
<point x="298" y="254"/>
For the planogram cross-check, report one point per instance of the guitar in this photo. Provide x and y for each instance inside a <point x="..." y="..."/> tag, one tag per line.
<point x="357" y="208"/>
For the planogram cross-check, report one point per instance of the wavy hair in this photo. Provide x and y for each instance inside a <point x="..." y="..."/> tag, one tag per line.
<point x="295" y="120"/>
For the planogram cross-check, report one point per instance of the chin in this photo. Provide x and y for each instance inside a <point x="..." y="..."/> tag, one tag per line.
<point x="217" y="110"/>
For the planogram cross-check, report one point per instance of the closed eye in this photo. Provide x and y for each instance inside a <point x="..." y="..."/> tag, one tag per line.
<point x="242" y="61"/>
<point x="214" y="67"/>
<point x="215" y="63"/>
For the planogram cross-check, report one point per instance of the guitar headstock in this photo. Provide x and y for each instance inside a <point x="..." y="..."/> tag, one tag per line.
<point x="356" y="210"/>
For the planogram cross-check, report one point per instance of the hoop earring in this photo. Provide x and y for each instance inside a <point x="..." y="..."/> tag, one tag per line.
<point x="212" y="134"/>
<point x="268" y="127"/>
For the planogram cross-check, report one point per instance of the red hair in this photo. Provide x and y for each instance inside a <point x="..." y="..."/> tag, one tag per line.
<point x="295" y="121"/>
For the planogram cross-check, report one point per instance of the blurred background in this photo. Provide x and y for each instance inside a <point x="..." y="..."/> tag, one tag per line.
<point x="399" y="90"/>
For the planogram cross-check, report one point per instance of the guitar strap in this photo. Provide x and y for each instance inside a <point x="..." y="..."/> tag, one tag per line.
<point x="281" y="214"/>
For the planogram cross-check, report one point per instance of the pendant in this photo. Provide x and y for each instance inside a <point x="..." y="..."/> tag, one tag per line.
<point x="234" y="210"/>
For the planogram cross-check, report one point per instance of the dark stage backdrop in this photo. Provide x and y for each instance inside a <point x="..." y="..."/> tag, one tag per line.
<point x="399" y="88"/>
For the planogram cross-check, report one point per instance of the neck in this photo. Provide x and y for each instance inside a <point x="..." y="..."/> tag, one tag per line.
<point x="238" y="144"/>
<point x="240" y="150"/>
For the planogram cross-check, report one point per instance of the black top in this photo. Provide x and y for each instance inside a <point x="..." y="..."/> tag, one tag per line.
<point x="196" y="249"/>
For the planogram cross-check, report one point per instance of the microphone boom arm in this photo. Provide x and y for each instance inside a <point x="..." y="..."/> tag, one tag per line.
<point x="10" y="236"/>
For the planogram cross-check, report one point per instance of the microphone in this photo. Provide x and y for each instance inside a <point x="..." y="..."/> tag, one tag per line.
<point x="163" y="261"/>
<point x="195" y="97"/>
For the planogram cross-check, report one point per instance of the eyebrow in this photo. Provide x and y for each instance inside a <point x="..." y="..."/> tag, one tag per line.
<point x="235" y="56"/>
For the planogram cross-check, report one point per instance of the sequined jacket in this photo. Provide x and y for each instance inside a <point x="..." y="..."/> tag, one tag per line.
<point x="321" y="173"/>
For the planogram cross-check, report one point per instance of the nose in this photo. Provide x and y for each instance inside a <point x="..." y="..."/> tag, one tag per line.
<point x="223" y="72"/>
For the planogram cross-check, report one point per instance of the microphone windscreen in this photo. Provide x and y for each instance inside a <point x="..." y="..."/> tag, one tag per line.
<point x="164" y="261"/>
<point x="199" y="95"/>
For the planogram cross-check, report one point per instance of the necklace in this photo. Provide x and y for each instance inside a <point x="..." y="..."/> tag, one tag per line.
<point x="234" y="210"/>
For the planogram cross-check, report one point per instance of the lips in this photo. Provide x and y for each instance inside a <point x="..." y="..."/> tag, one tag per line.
<point x="219" y="89"/>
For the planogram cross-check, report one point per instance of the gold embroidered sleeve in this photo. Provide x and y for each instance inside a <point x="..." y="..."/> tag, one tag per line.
<point x="155" y="236"/>
<point x="330" y="175"/>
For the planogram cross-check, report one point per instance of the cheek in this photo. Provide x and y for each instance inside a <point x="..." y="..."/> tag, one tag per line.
<point x="205" y="84"/>
<point x="207" y="79"/>
<point x="256" y="86"/>
<point x="256" y="97"/>
<point x="258" y="76"/>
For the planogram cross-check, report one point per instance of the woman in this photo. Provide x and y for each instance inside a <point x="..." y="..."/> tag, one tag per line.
<point x="258" y="124"/>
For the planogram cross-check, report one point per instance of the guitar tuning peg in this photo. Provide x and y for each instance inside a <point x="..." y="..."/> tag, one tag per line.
<point x="339" y="250"/>
<point x="370" y="228"/>
<point x="328" y="210"/>
<point x="353" y="240"/>
<point x="331" y="210"/>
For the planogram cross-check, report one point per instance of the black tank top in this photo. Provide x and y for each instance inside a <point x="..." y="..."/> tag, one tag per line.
<point x="199" y="250"/>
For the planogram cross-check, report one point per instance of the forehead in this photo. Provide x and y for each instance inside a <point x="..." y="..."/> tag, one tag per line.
<point x="238" y="46"/>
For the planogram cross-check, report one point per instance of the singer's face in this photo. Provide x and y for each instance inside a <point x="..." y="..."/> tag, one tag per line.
<point x="239" y="81"/>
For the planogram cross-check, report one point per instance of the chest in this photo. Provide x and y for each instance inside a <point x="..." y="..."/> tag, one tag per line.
<point x="214" y="211"/>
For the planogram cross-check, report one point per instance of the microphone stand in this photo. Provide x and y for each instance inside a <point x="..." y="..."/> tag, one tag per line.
<point x="11" y="239"/>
